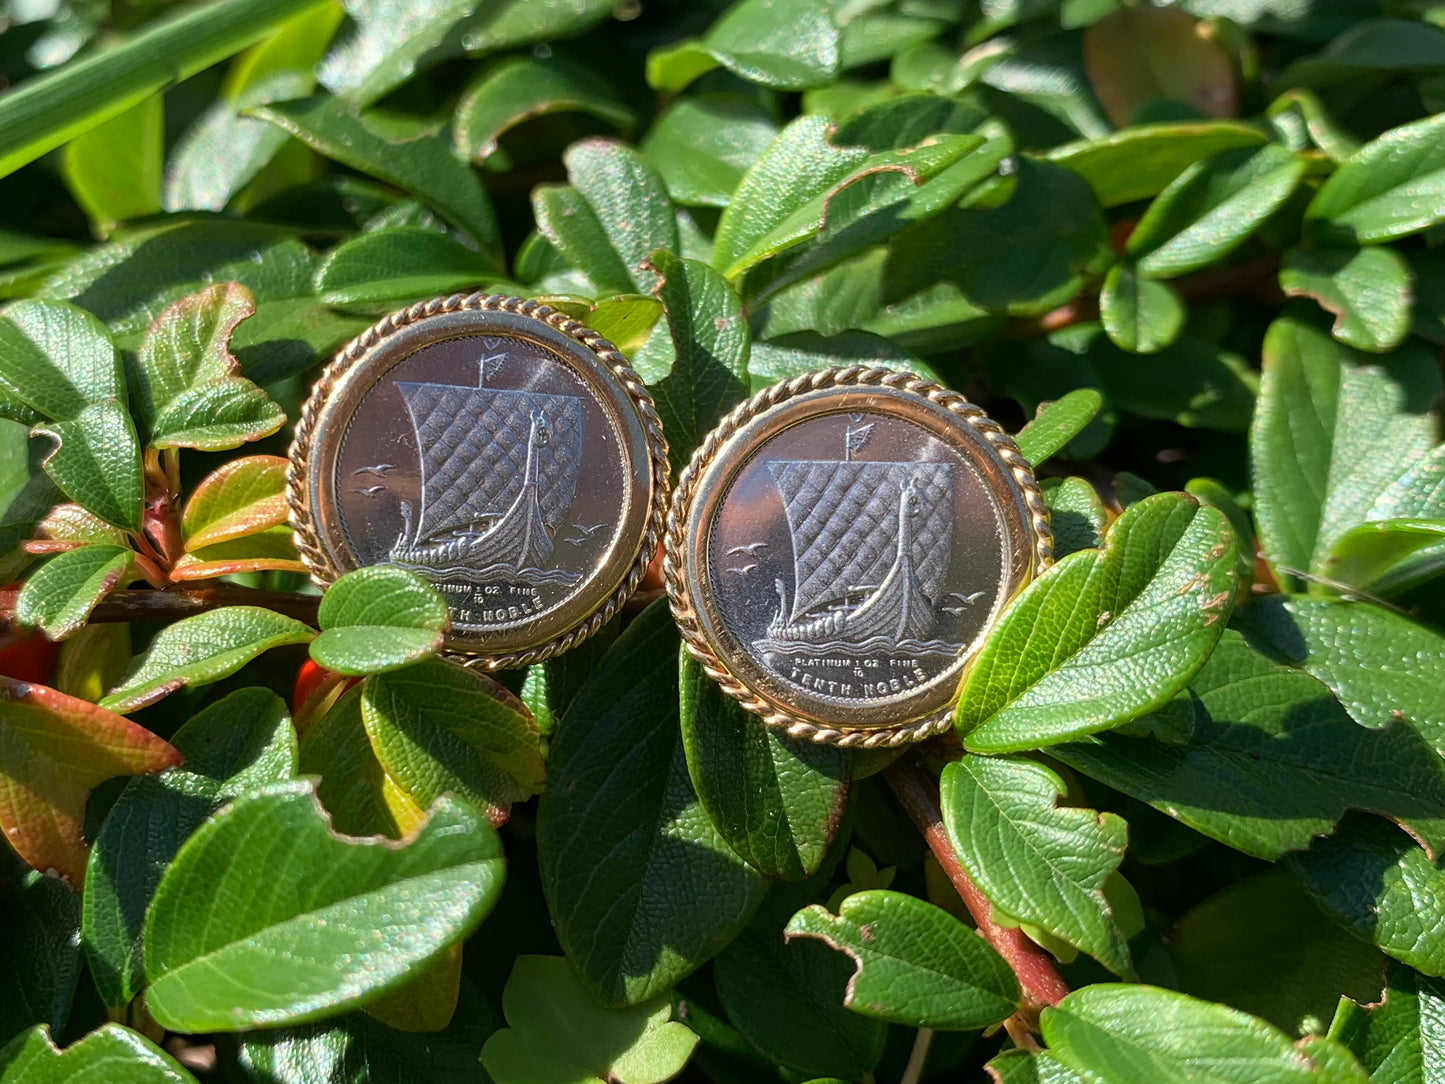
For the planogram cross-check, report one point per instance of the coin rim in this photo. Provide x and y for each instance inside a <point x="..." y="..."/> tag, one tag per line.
<point x="359" y="351"/>
<point x="679" y="535"/>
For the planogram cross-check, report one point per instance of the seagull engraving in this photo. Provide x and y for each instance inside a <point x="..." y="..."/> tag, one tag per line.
<point x="750" y="549"/>
<point x="965" y="601"/>
<point x="587" y="532"/>
<point x="743" y="570"/>
<point x="379" y="469"/>
<point x="370" y="491"/>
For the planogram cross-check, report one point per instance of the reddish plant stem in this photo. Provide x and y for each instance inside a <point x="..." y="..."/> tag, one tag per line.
<point x="1034" y="967"/>
<point x="174" y="603"/>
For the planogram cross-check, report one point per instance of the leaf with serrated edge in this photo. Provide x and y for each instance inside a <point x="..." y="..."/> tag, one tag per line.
<point x="111" y="1053"/>
<point x="96" y="462"/>
<point x="377" y="619"/>
<point x="241" y="497"/>
<point x="58" y="598"/>
<point x="54" y="749"/>
<point x="242" y="896"/>
<point x="1105" y="635"/>
<point x="438" y="727"/>
<point x="1273" y="762"/>
<point x="236" y="744"/>
<point x="916" y="964"/>
<point x="1036" y="861"/>
<point x="57" y="359"/>
<point x="556" y="1032"/>
<point x="202" y="649"/>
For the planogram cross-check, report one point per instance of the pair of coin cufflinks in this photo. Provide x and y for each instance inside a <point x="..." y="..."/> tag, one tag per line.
<point x="835" y="552"/>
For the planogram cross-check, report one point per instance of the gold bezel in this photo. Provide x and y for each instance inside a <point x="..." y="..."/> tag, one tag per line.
<point x="371" y="354"/>
<point x="725" y="452"/>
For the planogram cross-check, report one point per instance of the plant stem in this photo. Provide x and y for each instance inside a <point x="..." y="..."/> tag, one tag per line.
<point x="922" y="1042"/>
<point x="1035" y="969"/>
<point x="174" y="603"/>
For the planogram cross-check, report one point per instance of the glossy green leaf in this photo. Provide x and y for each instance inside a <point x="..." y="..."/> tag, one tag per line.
<point x="785" y="46"/>
<point x="1076" y="514"/>
<point x="1273" y="761"/>
<point x="629" y="200"/>
<point x="1140" y="161"/>
<point x="571" y="227"/>
<point x="96" y="462"/>
<point x="776" y="800"/>
<point x="1367" y="290"/>
<point x="1319" y="462"/>
<point x="1300" y="119"/>
<point x="1376" y="882"/>
<point x="1140" y="315"/>
<point x="397" y="265"/>
<point x="647" y="892"/>
<point x="710" y="339"/>
<point x="238" y="498"/>
<point x="1211" y="209"/>
<point x="1369" y="46"/>
<point x="54" y="108"/>
<point x="558" y="1035"/>
<point x="240" y="742"/>
<point x="202" y="649"/>
<point x="520" y="88"/>
<point x="703" y="145"/>
<point x="377" y="619"/>
<point x="1373" y="551"/>
<point x="39" y="952"/>
<point x="1391" y="187"/>
<point x="1400" y="1040"/>
<point x="802" y="352"/>
<point x="242" y="894"/>
<point x="114" y="169"/>
<point x="57" y="360"/>
<point x="271" y="549"/>
<point x="1038" y="862"/>
<point x="111" y="1053"/>
<point x="1057" y="423"/>
<point x="1119" y="1032"/>
<point x="915" y="963"/>
<point x="355" y="790"/>
<point x="439" y="728"/>
<point x="1105" y="635"/>
<point x="424" y="166"/>
<point x="58" y="598"/>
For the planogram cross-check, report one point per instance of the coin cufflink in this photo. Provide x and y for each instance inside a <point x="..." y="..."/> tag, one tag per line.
<point x="840" y="545"/>
<point x="503" y="451"/>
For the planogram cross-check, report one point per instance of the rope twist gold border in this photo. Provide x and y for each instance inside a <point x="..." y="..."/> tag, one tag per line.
<point x="308" y="544"/>
<point x="673" y="543"/>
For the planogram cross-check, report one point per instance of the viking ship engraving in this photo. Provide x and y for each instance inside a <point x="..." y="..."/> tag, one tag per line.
<point x="870" y="550"/>
<point x="498" y="475"/>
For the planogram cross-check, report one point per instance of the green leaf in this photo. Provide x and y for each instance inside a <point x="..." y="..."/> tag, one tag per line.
<point x="1398" y="1041"/>
<point x="1262" y="947"/>
<point x="1105" y="635"/>
<point x="630" y="202"/>
<point x="557" y="1034"/>
<point x="237" y="744"/>
<point x="239" y="498"/>
<point x="187" y="391"/>
<point x="703" y="145"/>
<point x="58" y="359"/>
<point x="802" y="352"/>
<point x="1376" y="882"/>
<point x="111" y="1053"/>
<point x="96" y="462"/>
<point x="642" y="889"/>
<point x="1391" y="187"/>
<point x="521" y="88"/>
<point x="710" y="340"/>
<point x="58" y="598"/>
<point x="114" y="169"/>
<point x="1428" y="273"/>
<point x="1369" y="46"/>
<point x="243" y="890"/>
<point x="1367" y="290"/>
<point x="916" y="964"/>
<point x="1140" y="315"/>
<point x="569" y="224"/>
<point x="1385" y="669"/>
<point x="785" y="46"/>
<point x="1038" y="862"/>
<point x="1273" y="762"/>
<point x="1076" y="513"/>
<point x="1387" y="549"/>
<point x="1057" y="423"/>
<point x="439" y="728"/>
<point x="361" y="799"/>
<point x="424" y="166"/>
<point x="1211" y="208"/>
<point x="54" y="108"/>
<point x="1138" y="162"/>
<point x="397" y="265"/>
<point x="777" y="801"/>
<point x="377" y="619"/>
<point x="1319" y="460"/>
<point x="40" y="954"/>
<point x="1118" y="1032"/>
<point x="202" y="649"/>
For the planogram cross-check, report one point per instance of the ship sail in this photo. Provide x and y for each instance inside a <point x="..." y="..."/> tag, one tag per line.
<point x="474" y="445"/>
<point x="844" y="520"/>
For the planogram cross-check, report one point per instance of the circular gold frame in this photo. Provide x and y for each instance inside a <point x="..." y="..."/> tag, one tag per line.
<point x="314" y="518"/>
<point x="948" y="416"/>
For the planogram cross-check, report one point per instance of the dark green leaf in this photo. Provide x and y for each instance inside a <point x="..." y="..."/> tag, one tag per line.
<point x="1367" y="290"/>
<point x="111" y="1053"/>
<point x="243" y="890"/>
<point x="1139" y="314"/>
<point x="1057" y="423"/>
<point x="786" y="46"/>
<point x="776" y="800"/>
<point x="377" y="619"/>
<point x="641" y="887"/>
<point x="1140" y="161"/>
<point x="57" y="360"/>
<point x="915" y="964"/>
<point x="396" y="265"/>
<point x="803" y="352"/>
<point x="358" y="795"/>
<point x="1368" y="46"/>
<point x="239" y="743"/>
<point x="1391" y="187"/>
<point x="703" y="145"/>
<point x="39" y="953"/>
<point x="96" y="462"/>
<point x="1076" y="513"/>
<point x="1399" y="1041"/>
<point x="58" y="598"/>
